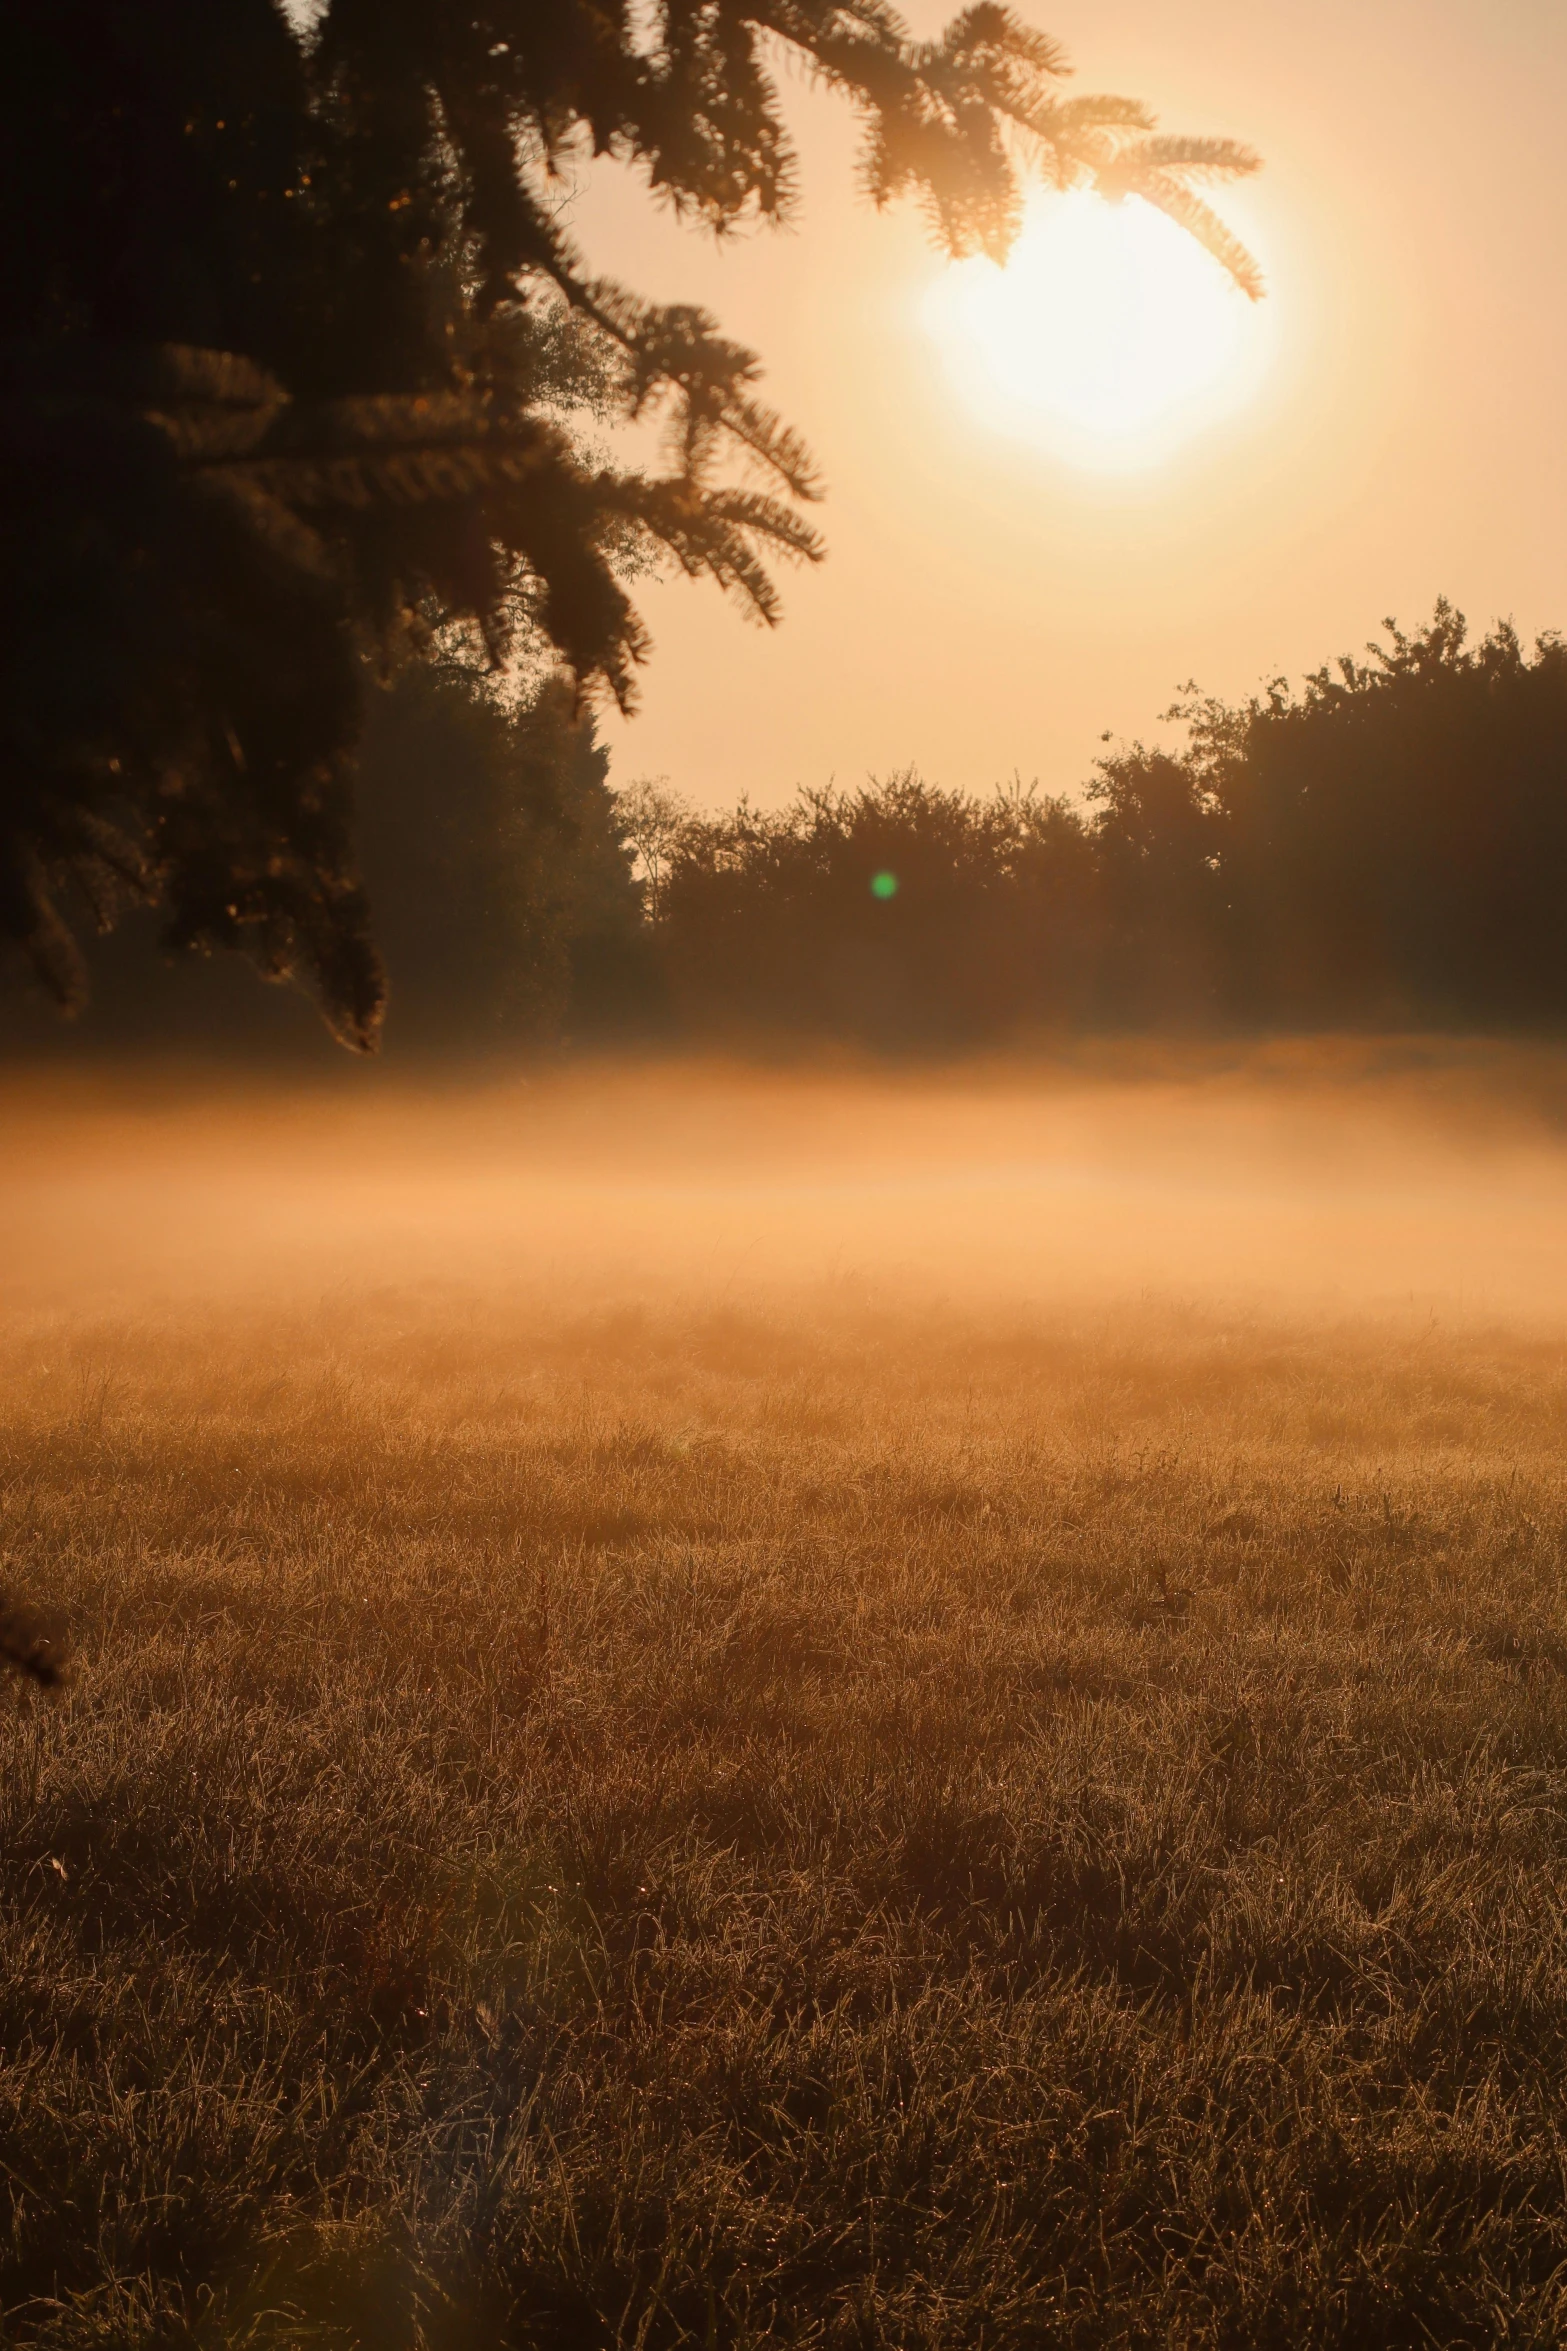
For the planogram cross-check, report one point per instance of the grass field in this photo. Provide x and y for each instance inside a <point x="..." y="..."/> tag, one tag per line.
<point x="727" y="1712"/>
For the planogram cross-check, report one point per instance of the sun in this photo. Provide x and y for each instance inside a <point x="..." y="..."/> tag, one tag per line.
<point x="1109" y="336"/>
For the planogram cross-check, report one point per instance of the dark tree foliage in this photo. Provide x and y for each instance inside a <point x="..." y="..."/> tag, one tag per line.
<point x="1392" y="839"/>
<point x="505" y="904"/>
<point x="1386" y="846"/>
<point x="299" y="369"/>
<point x="1160" y="892"/>
<point x="894" y="917"/>
<point x="503" y="892"/>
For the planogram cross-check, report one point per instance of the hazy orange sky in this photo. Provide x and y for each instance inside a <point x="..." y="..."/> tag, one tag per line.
<point x="989" y="605"/>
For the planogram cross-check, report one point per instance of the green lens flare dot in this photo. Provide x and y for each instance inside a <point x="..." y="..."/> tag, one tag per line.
<point x="884" y="885"/>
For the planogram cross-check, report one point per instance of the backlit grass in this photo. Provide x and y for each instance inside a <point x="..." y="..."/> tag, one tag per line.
<point x="707" y="1815"/>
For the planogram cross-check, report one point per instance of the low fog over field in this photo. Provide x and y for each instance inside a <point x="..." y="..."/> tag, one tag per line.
<point x="1337" y="1182"/>
<point x="784" y="1709"/>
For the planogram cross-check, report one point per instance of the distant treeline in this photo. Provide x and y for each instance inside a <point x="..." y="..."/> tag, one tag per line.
<point x="1386" y="846"/>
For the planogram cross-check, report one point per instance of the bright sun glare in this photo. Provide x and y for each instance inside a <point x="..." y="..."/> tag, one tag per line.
<point x="1109" y="336"/>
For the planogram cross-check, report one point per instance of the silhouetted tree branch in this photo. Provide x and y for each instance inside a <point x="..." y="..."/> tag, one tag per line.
<point x="303" y="369"/>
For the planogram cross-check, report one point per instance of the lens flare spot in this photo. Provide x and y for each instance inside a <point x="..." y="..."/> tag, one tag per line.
<point x="884" y="885"/>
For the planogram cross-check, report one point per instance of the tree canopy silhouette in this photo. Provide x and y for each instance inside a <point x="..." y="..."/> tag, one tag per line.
<point x="493" y="853"/>
<point x="1383" y="846"/>
<point x="300" y="369"/>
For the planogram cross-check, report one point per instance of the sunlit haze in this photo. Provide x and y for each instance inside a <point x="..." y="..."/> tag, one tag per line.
<point x="1302" y="1180"/>
<point x="1034" y="535"/>
<point x="1108" y="337"/>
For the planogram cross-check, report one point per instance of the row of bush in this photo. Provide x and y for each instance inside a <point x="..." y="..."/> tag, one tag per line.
<point x="1386" y="845"/>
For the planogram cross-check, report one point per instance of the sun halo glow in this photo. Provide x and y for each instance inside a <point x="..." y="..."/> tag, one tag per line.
<point x="1109" y="335"/>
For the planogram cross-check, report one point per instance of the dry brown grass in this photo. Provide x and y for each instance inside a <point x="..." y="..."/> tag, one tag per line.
<point x="690" y="1810"/>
